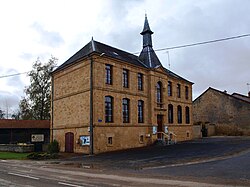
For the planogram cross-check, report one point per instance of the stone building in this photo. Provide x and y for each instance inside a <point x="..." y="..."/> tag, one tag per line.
<point x="220" y="108"/>
<point x="106" y="99"/>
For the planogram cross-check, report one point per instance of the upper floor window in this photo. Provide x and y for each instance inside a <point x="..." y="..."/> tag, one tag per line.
<point x="179" y="114"/>
<point x="140" y="81"/>
<point x="159" y="92"/>
<point x="108" y="72"/>
<point x="169" y="88"/>
<point x="178" y="90"/>
<point x="108" y="109"/>
<point x="125" y="110"/>
<point x="187" y="115"/>
<point x="140" y="111"/>
<point x="125" y="78"/>
<point x="186" y="92"/>
<point x="170" y="113"/>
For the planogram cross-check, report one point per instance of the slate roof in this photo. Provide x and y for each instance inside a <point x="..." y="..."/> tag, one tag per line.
<point x="172" y="74"/>
<point x="148" y="57"/>
<point x="100" y="48"/>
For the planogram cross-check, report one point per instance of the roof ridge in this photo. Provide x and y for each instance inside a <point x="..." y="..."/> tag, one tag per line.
<point x="214" y="89"/>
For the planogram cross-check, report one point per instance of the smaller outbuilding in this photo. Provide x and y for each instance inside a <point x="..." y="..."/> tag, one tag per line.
<point x="35" y="132"/>
<point x="227" y="112"/>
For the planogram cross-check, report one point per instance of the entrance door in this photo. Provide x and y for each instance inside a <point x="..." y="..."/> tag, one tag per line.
<point x="160" y="126"/>
<point x="69" y="142"/>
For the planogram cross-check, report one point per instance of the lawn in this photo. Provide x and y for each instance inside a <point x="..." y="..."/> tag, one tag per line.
<point x="10" y="155"/>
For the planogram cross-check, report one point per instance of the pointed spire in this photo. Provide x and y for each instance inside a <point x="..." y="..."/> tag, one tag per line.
<point x="147" y="55"/>
<point x="146" y="33"/>
<point x="146" y="27"/>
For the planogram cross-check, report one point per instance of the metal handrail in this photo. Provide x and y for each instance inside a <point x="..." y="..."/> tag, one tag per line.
<point x="168" y="136"/>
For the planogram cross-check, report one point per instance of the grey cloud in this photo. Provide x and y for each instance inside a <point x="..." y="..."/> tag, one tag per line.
<point x="222" y="65"/>
<point x="52" y="39"/>
<point x="9" y="100"/>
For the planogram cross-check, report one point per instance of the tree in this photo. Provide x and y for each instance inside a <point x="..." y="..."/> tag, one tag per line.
<point x="36" y="103"/>
<point x="2" y="114"/>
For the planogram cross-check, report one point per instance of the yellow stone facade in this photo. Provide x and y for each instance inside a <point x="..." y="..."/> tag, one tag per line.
<point x="71" y="105"/>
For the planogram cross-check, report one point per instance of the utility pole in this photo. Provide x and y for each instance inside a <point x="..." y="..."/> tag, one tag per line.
<point x="91" y="152"/>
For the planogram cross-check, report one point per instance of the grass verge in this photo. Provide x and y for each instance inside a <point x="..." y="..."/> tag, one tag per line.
<point x="11" y="155"/>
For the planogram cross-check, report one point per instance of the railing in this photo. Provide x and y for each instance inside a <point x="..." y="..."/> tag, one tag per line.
<point x="172" y="134"/>
<point x="167" y="137"/>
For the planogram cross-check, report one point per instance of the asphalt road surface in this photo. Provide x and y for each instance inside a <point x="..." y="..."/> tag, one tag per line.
<point x="218" y="161"/>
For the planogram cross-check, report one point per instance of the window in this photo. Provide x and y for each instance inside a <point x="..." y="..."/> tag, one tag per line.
<point x="108" y="77"/>
<point x="187" y="115"/>
<point x="108" y="109"/>
<point x="140" y="81"/>
<point x="169" y="88"/>
<point x="170" y="114"/>
<point x="140" y="111"/>
<point x="125" y="110"/>
<point x="179" y="114"/>
<point x="141" y="139"/>
<point x="178" y="90"/>
<point x="125" y="78"/>
<point x="159" y="94"/>
<point x="110" y="140"/>
<point x="186" y="92"/>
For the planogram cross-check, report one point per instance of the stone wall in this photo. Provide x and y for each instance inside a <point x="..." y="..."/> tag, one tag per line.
<point x="17" y="148"/>
<point x="218" y="107"/>
<point x="71" y="105"/>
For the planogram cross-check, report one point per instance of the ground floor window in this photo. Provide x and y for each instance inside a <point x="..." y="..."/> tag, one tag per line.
<point x="108" y="109"/>
<point x="110" y="140"/>
<point x="179" y="114"/>
<point x="140" y="111"/>
<point x="187" y="115"/>
<point x="170" y="114"/>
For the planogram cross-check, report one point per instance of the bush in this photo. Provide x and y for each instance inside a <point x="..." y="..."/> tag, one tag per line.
<point x="42" y="156"/>
<point x="53" y="147"/>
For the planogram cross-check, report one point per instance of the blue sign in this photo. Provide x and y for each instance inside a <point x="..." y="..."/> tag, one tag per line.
<point x="85" y="140"/>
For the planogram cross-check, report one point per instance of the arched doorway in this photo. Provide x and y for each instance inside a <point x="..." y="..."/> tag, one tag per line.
<point x="69" y="142"/>
<point x="160" y="126"/>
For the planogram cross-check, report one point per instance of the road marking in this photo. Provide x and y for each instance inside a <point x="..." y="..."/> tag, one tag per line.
<point x="68" y="184"/>
<point x="26" y="176"/>
<point x="3" y="161"/>
<point x="219" y="158"/>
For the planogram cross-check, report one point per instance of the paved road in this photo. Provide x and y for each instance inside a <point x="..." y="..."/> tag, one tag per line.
<point x="207" y="162"/>
<point x="24" y="174"/>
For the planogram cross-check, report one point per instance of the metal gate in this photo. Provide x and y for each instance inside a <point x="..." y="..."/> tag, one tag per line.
<point x="69" y="142"/>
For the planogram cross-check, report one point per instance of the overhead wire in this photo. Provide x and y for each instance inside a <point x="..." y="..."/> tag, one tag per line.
<point x="166" y="49"/>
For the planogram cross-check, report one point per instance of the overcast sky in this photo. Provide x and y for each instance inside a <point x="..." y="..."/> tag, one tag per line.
<point x="32" y="29"/>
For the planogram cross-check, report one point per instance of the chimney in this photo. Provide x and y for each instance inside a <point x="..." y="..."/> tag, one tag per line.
<point x="225" y="91"/>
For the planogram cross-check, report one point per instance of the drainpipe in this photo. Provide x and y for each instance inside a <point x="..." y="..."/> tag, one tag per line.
<point x="52" y="108"/>
<point x="91" y="108"/>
